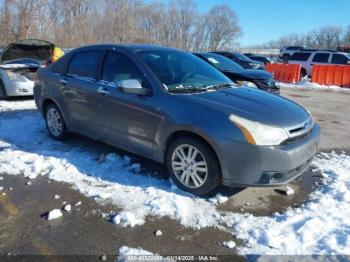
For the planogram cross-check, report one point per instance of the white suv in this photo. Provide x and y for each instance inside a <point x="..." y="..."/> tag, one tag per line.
<point x="307" y="59"/>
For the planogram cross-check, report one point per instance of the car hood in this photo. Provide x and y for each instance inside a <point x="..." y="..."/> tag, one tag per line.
<point x="254" y="105"/>
<point x="250" y="73"/>
<point x="35" y="49"/>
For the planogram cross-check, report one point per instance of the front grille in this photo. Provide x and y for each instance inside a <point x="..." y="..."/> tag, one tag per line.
<point x="299" y="132"/>
<point x="296" y="139"/>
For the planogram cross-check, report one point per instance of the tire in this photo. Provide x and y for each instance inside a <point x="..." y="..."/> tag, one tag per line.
<point x="185" y="172"/>
<point x="55" y="123"/>
<point x="3" y="94"/>
<point x="303" y="73"/>
<point x="285" y="57"/>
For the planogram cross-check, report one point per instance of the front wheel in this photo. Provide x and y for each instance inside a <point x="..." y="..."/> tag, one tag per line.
<point x="193" y="165"/>
<point x="55" y="123"/>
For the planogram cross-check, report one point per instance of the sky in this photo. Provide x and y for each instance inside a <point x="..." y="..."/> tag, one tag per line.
<point x="265" y="20"/>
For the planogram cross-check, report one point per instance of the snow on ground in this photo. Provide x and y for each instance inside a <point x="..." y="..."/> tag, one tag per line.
<point x="320" y="226"/>
<point x="137" y="254"/>
<point x="306" y="84"/>
<point x="16" y="105"/>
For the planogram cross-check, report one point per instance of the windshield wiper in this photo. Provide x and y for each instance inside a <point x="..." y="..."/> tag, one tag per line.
<point x="187" y="89"/>
<point x="219" y="86"/>
<point x="191" y="89"/>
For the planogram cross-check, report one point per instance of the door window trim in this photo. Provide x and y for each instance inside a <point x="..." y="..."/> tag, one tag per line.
<point x="103" y="58"/>
<point x="96" y="73"/>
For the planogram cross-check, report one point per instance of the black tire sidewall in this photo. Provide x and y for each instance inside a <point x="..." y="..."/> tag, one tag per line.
<point x="63" y="134"/>
<point x="2" y="87"/>
<point x="303" y="72"/>
<point x="214" y="172"/>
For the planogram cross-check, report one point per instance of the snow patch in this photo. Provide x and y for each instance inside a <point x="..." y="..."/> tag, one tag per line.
<point x="54" y="214"/>
<point x="229" y="244"/>
<point x="125" y="252"/>
<point x="320" y="226"/>
<point x="67" y="208"/>
<point x="158" y="233"/>
<point x="307" y="84"/>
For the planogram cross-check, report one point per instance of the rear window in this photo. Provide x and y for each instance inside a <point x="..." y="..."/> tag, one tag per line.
<point x="298" y="56"/>
<point x="321" y="58"/>
<point x="60" y="66"/>
<point x="84" y="64"/>
<point x="340" y="59"/>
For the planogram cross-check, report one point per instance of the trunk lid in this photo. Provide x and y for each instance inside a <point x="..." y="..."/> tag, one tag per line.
<point x="35" y="49"/>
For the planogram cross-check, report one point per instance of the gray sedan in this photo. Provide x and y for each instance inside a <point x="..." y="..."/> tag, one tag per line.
<point x="172" y="107"/>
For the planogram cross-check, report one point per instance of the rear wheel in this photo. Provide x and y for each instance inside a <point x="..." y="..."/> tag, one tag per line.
<point x="285" y="57"/>
<point x="55" y="122"/>
<point x="3" y="94"/>
<point x="303" y="73"/>
<point x="193" y="165"/>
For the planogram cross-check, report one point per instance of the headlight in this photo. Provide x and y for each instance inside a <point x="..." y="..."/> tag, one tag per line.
<point x="247" y="83"/>
<point x="16" y="77"/>
<point x="259" y="134"/>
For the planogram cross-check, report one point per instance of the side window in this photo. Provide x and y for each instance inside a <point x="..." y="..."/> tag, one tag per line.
<point x="300" y="56"/>
<point x="84" y="63"/>
<point x="321" y="58"/>
<point x="339" y="59"/>
<point x="117" y="67"/>
<point x="60" y="66"/>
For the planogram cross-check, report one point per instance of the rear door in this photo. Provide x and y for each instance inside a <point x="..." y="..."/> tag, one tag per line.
<point x="79" y="91"/>
<point x="301" y="58"/>
<point x="129" y="120"/>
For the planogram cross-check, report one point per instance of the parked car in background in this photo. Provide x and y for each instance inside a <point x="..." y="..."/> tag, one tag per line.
<point x="242" y="60"/>
<point x="344" y="49"/>
<point x="307" y="59"/>
<point x="173" y="107"/>
<point x="243" y="77"/>
<point x="259" y="58"/>
<point x="18" y="65"/>
<point x="288" y="51"/>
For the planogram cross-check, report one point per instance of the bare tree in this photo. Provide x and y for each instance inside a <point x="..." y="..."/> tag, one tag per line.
<point x="71" y="23"/>
<point x="222" y="27"/>
<point x="346" y="38"/>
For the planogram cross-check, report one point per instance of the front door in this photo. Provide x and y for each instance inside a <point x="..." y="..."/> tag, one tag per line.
<point x="129" y="120"/>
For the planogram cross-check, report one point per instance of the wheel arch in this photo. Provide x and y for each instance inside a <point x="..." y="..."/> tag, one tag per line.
<point x="48" y="101"/>
<point x="186" y="133"/>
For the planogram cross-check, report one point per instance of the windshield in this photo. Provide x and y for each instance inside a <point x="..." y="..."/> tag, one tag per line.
<point x="178" y="70"/>
<point x="221" y="62"/>
<point x="242" y="57"/>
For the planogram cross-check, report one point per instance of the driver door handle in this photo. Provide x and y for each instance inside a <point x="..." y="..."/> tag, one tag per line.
<point x="103" y="90"/>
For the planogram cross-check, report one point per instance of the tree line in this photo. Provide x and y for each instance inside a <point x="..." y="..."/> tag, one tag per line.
<point x="72" y="23"/>
<point x="327" y="37"/>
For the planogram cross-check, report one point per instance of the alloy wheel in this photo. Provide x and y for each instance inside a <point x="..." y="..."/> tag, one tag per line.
<point x="189" y="166"/>
<point x="54" y="121"/>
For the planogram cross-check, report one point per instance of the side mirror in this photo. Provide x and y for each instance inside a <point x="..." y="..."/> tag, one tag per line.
<point x="132" y="86"/>
<point x="348" y="62"/>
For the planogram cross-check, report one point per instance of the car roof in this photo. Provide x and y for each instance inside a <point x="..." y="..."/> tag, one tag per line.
<point x="320" y="51"/>
<point x="134" y="47"/>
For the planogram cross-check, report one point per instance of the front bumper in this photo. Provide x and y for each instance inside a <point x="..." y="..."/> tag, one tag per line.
<point x="14" y="88"/>
<point x="250" y="165"/>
